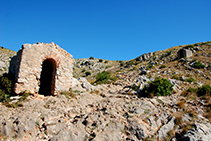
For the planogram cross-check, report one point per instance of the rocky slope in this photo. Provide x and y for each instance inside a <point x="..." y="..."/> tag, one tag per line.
<point x="5" y="57"/>
<point x="113" y="111"/>
<point x="102" y="116"/>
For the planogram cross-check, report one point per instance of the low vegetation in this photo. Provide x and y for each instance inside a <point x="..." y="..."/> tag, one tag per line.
<point x="104" y="78"/>
<point x="91" y="57"/>
<point x="198" y="65"/>
<point x="121" y="63"/>
<point x="68" y="94"/>
<point x="158" y="87"/>
<point x="201" y="93"/>
<point x="88" y="73"/>
<point x="6" y="91"/>
<point x="6" y="85"/>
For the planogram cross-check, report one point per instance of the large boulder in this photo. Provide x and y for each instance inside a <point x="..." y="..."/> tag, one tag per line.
<point x="85" y="84"/>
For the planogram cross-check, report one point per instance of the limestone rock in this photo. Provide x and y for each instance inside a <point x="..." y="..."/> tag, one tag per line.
<point x="166" y="128"/>
<point x="201" y="131"/>
<point x="85" y="84"/>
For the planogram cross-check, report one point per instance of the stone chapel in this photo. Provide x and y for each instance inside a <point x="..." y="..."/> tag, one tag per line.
<point x="42" y="68"/>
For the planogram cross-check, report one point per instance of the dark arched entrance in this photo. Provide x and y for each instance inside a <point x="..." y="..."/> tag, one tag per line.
<point x="47" y="77"/>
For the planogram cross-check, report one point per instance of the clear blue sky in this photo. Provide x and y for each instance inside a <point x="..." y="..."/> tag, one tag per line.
<point x="107" y="29"/>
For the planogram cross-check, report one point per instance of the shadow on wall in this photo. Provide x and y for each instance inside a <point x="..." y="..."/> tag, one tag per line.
<point x="15" y="65"/>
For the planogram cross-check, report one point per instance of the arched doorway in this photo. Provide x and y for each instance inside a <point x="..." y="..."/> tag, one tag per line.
<point x="47" y="77"/>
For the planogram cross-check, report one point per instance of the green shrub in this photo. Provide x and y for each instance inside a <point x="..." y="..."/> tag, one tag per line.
<point x="203" y="43"/>
<point x="175" y="77"/>
<point x="189" y="46"/>
<point x="158" y="87"/>
<point x="104" y="77"/>
<point x="149" y="67"/>
<point x="88" y="73"/>
<point x="204" y="90"/>
<point x="108" y="67"/>
<point x="6" y="91"/>
<point x="132" y="62"/>
<point x="198" y="65"/>
<point x="91" y="57"/>
<point x="106" y="61"/>
<point x="100" y="60"/>
<point x="190" y="80"/>
<point x="192" y="90"/>
<point x="162" y="66"/>
<point x="6" y="87"/>
<point x="169" y="52"/>
<point x="201" y="91"/>
<point x="83" y="70"/>
<point x="122" y="63"/>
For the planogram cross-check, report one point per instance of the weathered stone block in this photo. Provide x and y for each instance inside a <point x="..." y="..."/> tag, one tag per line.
<point x="184" y="53"/>
<point x="42" y="68"/>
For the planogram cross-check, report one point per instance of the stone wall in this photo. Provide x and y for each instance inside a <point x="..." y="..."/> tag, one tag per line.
<point x="26" y="66"/>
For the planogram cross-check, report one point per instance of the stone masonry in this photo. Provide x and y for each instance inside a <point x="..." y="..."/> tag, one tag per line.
<point x="35" y="64"/>
<point x="182" y="53"/>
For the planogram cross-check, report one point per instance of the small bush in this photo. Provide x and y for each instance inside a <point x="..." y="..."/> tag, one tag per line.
<point x="104" y="77"/>
<point x="204" y="90"/>
<point x="175" y="77"/>
<point x="122" y="63"/>
<point x="203" y="43"/>
<point x="189" y="46"/>
<point x="132" y="62"/>
<point x="6" y="87"/>
<point x="91" y="57"/>
<point x="169" y="52"/>
<point x="108" y="67"/>
<point x="100" y="60"/>
<point x="149" y="67"/>
<point x="163" y="66"/>
<point x="158" y="87"/>
<point x="83" y="70"/>
<point x="106" y="61"/>
<point x="88" y="73"/>
<point x="198" y="65"/>
<point x="201" y="91"/>
<point x="190" y="80"/>
<point x="192" y="90"/>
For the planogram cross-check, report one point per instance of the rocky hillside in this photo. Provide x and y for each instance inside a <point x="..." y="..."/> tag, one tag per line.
<point x="5" y="57"/>
<point x="155" y="64"/>
<point x="107" y="101"/>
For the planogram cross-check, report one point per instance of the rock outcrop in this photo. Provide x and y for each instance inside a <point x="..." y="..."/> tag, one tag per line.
<point x="93" y="117"/>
